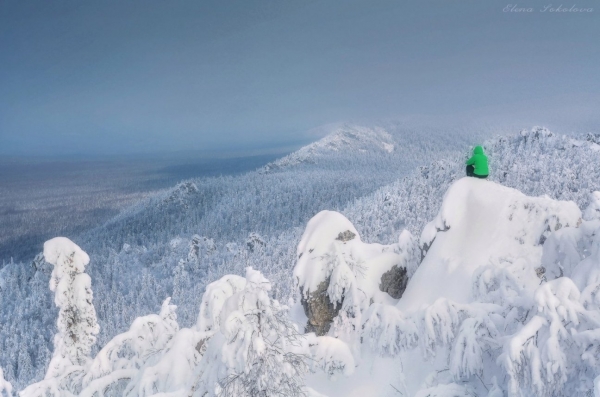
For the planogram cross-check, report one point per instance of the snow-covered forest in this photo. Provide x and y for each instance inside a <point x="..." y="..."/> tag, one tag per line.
<point x="42" y="198"/>
<point x="362" y="264"/>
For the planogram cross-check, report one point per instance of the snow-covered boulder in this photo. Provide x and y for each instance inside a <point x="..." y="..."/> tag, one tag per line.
<point x="482" y="223"/>
<point x="336" y="271"/>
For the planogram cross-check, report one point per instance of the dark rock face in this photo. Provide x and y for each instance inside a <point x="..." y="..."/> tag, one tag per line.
<point x="201" y="346"/>
<point x="345" y="236"/>
<point x="541" y="273"/>
<point x="319" y="309"/>
<point x="394" y="281"/>
<point x="426" y="246"/>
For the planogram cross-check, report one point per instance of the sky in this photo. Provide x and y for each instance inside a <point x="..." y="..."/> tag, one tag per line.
<point x="120" y="77"/>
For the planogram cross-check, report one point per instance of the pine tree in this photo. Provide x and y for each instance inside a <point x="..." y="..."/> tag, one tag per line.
<point x="77" y="325"/>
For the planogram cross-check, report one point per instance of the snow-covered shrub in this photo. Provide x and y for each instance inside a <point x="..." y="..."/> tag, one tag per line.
<point x="593" y="210"/>
<point x="257" y="350"/>
<point x="548" y="350"/>
<point x="560" y="338"/>
<point x="243" y="345"/>
<point x="213" y="300"/>
<point x="126" y="354"/>
<point x="388" y="331"/>
<point x="330" y="355"/>
<point x="173" y="371"/>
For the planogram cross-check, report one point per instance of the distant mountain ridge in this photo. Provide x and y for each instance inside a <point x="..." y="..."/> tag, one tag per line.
<point x="348" y="138"/>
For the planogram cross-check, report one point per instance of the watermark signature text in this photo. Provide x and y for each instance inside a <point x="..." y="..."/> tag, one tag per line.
<point x="548" y="8"/>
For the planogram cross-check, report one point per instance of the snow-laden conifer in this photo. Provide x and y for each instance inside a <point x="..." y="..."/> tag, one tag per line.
<point x="76" y="324"/>
<point x="257" y="351"/>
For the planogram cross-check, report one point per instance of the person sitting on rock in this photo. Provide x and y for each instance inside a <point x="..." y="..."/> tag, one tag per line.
<point x="477" y="166"/>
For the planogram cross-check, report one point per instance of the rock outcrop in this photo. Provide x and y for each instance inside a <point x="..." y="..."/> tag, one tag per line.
<point x="338" y="274"/>
<point x="394" y="281"/>
<point x="319" y="309"/>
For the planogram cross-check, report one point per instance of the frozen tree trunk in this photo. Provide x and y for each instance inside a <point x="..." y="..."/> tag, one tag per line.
<point x="77" y="325"/>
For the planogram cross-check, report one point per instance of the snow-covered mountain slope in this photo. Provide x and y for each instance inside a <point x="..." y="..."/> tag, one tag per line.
<point x="178" y="242"/>
<point x="348" y="138"/>
<point x="485" y="314"/>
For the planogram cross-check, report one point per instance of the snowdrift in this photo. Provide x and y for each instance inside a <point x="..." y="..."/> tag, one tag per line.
<point x="504" y="301"/>
<point x="482" y="223"/>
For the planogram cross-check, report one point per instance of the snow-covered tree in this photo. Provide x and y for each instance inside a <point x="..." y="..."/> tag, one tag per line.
<point x="77" y="325"/>
<point x="125" y="365"/>
<point x="6" y="389"/>
<point x="257" y="350"/>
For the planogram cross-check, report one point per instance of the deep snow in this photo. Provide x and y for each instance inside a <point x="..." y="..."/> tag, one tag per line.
<point x="480" y="222"/>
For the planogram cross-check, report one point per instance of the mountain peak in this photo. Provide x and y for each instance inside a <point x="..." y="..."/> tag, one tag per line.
<point x="347" y="138"/>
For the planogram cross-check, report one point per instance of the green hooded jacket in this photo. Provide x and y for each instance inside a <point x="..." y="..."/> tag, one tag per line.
<point x="479" y="161"/>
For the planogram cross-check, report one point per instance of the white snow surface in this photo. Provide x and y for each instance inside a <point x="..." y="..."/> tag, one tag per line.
<point x="5" y="386"/>
<point x="331" y="249"/>
<point x="481" y="223"/>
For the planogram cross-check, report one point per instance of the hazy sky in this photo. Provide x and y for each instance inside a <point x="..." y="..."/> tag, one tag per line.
<point x="104" y="76"/>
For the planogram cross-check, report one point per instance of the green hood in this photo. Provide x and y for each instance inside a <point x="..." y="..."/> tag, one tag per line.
<point x="479" y="161"/>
